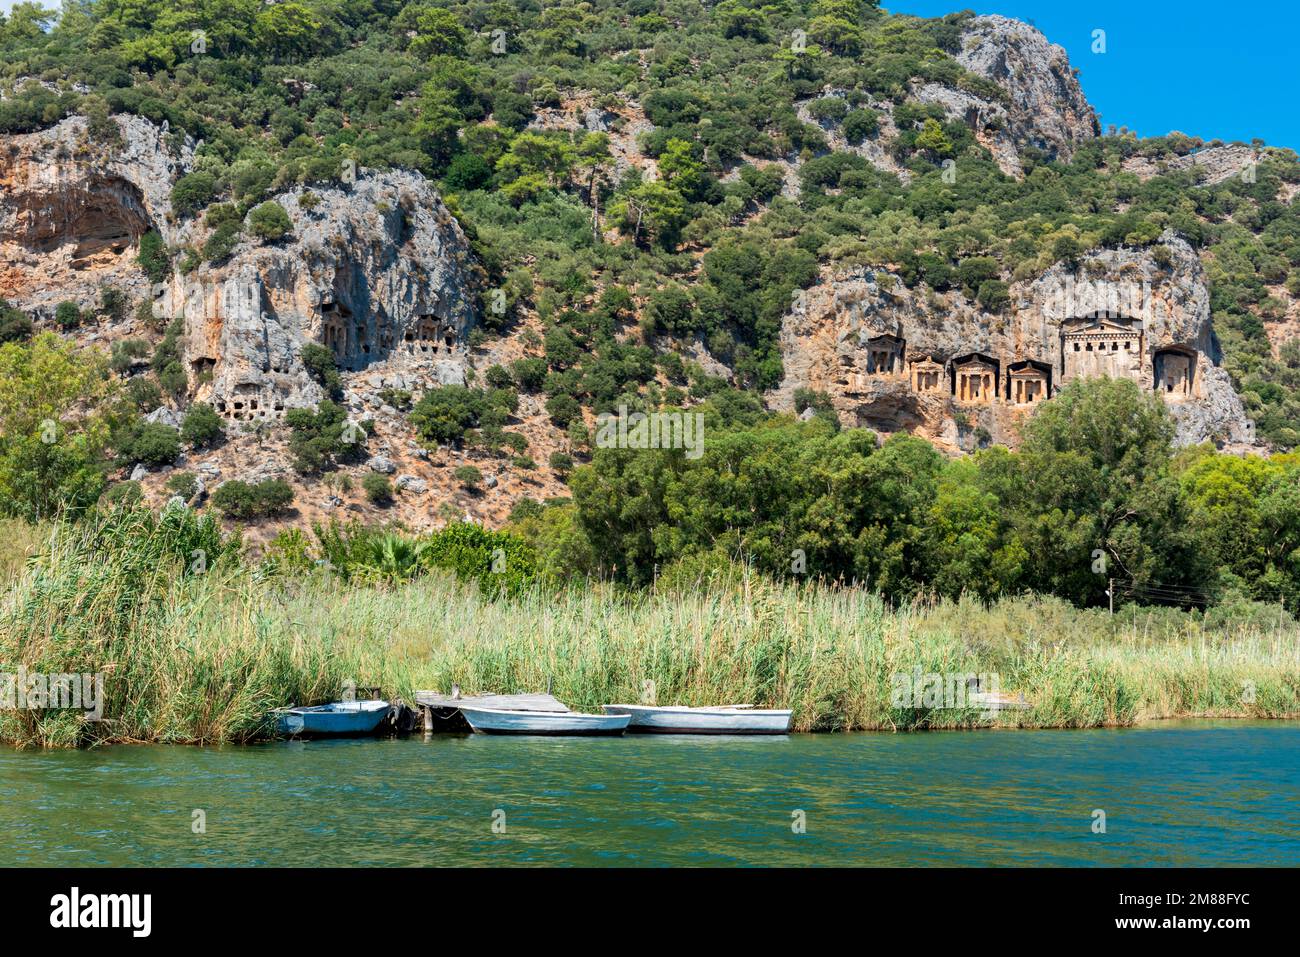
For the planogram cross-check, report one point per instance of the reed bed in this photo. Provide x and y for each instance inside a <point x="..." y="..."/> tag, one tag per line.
<point x="202" y="658"/>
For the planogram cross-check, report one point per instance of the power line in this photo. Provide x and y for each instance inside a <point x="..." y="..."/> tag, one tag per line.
<point x="1170" y="594"/>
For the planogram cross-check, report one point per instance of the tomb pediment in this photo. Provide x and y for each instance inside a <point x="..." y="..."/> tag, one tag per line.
<point x="974" y="360"/>
<point x="1094" y="326"/>
<point x="1101" y="345"/>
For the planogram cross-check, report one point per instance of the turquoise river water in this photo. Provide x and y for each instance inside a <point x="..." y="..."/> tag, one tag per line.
<point x="1186" y="793"/>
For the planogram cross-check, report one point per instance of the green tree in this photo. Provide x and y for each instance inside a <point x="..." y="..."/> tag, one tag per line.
<point x="438" y="32"/>
<point x="320" y="439"/>
<point x="56" y="413"/>
<point x="150" y="443"/>
<point x="933" y="139"/>
<point x="378" y="489"/>
<point x="239" y="501"/>
<point x="1242" y="512"/>
<point x="859" y="124"/>
<point x="320" y="365"/>
<point x="269" y="221"/>
<point x="651" y="210"/>
<point x="443" y="415"/>
<point x="153" y="258"/>
<point x="15" y="326"/>
<point x="287" y="31"/>
<point x="1095" y="498"/>
<point x="538" y="154"/>
<point x="202" y="427"/>
<point x="191" y="193"/>
<point x="67" y="315"/>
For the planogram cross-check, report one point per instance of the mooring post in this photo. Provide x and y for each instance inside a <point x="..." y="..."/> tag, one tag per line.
<point x="427" y="713"/>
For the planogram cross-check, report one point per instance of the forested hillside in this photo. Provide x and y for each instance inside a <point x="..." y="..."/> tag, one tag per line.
<point x="646" y="187"/>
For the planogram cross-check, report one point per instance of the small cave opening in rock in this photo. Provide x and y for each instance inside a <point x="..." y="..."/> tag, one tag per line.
<point x="203" y="368"/>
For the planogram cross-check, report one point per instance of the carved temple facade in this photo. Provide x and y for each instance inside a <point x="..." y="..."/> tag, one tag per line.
<point x="1089" y="347"/>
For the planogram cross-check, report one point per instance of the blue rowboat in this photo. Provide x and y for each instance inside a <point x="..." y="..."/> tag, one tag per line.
<point x="340" y="718"/>
<point x="498" y="721"/>
<point x="724" y="719"/>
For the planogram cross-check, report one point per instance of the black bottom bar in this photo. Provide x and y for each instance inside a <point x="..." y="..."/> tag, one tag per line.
<point x="288" y="907"/>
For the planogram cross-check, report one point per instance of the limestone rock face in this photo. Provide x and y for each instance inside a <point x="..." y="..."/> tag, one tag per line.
<point x="412" y="483"/>
<point x="164" y="416"/>
<point x="1047" y="107"/>
<point x="1210" y="166"/>
<point x="898" y="359"/>
<point x="74" y="205"/>
<point x="377" y="270"/>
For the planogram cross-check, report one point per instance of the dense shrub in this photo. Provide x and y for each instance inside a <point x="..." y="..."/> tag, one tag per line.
<point x="563" y="409"/>
<point x="859" y="124"/>
<point x="221" y="243"/>
<point x="184" y="484"/>
<point x="202" y="426"/>
<point x="269" y="221"/>
<point x="15" y="325"/>
<point x="68" y="315"/>
<point x="152" y="444"/>
<point x="153" y="258"/>
<point x="320" y="439"/>
<point x="121" y="494"/>
<point x="192" y="192"/>
<point x="144" y="394"/>
<point x="529" y="373"/>
<point x="444" y="414"/>
<point x="126" y="353"/>
<point x="320" y="365"/>
<point x="498" y="561"/>
<point x="240" y="501"/>
<point x="378" y="489"/>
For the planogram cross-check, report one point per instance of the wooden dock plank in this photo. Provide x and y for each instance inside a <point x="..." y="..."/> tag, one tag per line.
<point x="505" y="702"/>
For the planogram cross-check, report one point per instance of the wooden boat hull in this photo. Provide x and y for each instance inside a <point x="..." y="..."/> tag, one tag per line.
<point x="493" y="721"/>
<point x="647" y="719"/>
<point x="338" y="720"/>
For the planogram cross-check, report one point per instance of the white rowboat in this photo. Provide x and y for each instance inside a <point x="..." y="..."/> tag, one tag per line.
<point x="726" y="719"/>
<point x="498" y="721"/>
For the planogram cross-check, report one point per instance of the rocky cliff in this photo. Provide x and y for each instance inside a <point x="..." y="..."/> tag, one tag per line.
<point x="375" y="269"/>
<point x="1045" y="108"/>
<point x="899" y="359"/>
<point x="937" y="364"/>
<point x="73" y="207"/>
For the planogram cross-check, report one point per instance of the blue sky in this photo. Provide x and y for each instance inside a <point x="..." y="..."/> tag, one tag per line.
<point x="1214" y="70"/>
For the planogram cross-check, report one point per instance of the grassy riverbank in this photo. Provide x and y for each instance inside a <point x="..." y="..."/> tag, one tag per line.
<point x="200" y="655"/>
